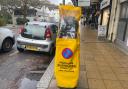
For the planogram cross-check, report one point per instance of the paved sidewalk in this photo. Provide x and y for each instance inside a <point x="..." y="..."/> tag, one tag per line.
<point x="102" y="65"/>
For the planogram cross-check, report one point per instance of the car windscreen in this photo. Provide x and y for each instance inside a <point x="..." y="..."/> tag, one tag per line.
<point x="34" y="32"/>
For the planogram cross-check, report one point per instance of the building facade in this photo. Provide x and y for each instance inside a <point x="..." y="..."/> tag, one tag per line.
<point x="122" y="27"/>
<point x="105" y="7"/>
<point x="118" y="26"/>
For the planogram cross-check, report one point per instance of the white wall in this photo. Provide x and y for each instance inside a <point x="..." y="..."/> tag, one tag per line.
<point x="54" y="14"/>
<point x="51" y="15"/>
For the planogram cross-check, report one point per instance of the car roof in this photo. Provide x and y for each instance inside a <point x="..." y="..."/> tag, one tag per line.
<point x="40" y="23"/>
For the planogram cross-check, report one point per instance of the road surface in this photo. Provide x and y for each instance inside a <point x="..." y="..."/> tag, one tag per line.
<point x="20" y="70"/>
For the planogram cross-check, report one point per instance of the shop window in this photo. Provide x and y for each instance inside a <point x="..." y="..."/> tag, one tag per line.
<point x="123" y="11"/>
<point x="126" y="38"/>
<point x="121" y="30"/>
<point x="127" y="13"/>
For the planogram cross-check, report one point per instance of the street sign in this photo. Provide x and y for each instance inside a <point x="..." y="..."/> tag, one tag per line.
<point x="102" y="31"/>
<point x="67" y="53"/>
<point x="84" y="3"/>
<point x="104" y="4"/>
<point x="67" y="56"/>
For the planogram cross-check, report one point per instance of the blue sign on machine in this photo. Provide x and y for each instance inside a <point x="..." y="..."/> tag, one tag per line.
<point x="67" y="53"/>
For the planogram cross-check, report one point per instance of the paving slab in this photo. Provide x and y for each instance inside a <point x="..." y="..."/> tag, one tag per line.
<point x="102" y="64"/>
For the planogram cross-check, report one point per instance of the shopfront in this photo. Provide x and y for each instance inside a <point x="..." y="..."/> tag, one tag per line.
<point x="105" y="13"/>
<point x="122" y="30"/>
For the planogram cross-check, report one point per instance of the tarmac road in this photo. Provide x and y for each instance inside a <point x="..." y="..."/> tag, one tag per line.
<point x="16" y="68"/>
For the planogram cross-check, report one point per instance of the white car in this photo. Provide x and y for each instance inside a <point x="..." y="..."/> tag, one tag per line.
<point x="37" y="36"/>
<point x="7" y="39"/>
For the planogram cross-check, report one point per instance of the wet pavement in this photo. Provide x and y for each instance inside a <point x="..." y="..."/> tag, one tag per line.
<point x="16" y="69"/>
<point x="22" y="70"/>
<point x="102" y="64"/>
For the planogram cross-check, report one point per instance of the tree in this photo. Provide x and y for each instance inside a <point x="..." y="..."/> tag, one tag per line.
<point x="11" y="5"/>
<point x="26" y="3"/>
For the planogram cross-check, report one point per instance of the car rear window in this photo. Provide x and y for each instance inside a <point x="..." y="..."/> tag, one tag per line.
<point x="34" y="32"/>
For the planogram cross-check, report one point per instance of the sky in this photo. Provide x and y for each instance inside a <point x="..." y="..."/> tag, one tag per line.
<point x="59" y="1"/>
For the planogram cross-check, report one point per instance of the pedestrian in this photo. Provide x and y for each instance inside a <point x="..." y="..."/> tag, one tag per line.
<point x="84" y="21"/>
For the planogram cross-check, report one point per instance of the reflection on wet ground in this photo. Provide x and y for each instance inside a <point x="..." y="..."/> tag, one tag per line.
<point x="22" y="70"/>
<point x="30" y="81"/>
<point x="28" y="84"/>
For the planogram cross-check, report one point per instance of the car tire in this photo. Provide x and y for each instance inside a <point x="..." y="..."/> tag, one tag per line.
<point x="7" y="45"/>
<point x="20" y="49"/>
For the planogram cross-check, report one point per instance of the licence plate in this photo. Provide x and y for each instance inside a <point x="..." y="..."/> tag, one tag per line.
<point x="33" y="48"/>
